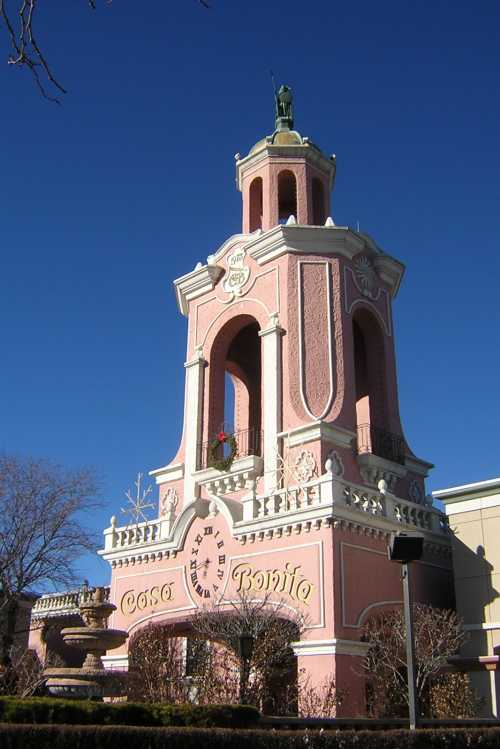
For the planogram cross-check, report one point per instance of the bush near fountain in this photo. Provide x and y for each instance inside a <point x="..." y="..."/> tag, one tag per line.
<point x="85" y="712"/>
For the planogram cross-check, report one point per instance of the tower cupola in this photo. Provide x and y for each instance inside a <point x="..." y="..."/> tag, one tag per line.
<point x="284" y="175"/>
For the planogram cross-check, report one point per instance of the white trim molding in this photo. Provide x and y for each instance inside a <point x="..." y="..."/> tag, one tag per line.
<point x="272" y="395"/>
<point x="484" y="627"/>
<point x="470" y="497"/>
<point x="195" y="378"/>
<point x="168" y="473"/>
<point x="115" y="662"/>
<point x="195" y="284"/>
<point x="318" y="430"/>
<point x="330" y="647"/>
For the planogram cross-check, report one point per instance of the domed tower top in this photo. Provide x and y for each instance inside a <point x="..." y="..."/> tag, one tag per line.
<point x="284" y="175"/>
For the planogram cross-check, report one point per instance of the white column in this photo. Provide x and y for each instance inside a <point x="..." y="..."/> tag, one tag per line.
<point x="195" y="378"/>
<point x="271" y="405"/>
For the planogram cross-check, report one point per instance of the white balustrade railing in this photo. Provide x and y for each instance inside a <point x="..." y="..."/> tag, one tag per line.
<point x="326" y="491"/>
<point x="383" y="504"/>
<point x="141" y="534"/>
<point x="289" y="499"/>
<point x="53" y="604"/>
<point x="364" y="500"/>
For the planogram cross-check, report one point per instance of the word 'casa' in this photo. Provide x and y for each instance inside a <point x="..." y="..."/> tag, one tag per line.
<point x="147" y="598"/>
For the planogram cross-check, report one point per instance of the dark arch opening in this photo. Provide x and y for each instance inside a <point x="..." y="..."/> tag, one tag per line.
<point x="243" y="364"/>
<point x="255" y="199"/>
<point x="234" y="389"/>
<point x="287" y="196"/>
<point x="318" y="202"/>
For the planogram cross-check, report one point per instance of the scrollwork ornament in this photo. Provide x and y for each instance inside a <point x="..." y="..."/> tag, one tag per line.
<point x="169" y="503"/>
<point x="366" y="277"/>
<point x="305" y="466"/>
<point x="416" y="493"/>
<point x="238" y="273"/>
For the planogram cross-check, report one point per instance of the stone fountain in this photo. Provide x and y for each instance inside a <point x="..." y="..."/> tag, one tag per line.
<point x="91" y="680"/>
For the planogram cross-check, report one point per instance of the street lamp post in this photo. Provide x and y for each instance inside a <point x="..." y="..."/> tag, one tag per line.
<point x="405" y="548"/>
<point x="246" y="643"/>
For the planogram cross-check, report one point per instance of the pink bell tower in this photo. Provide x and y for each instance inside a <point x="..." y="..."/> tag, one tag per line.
<point x="302" y="493"/>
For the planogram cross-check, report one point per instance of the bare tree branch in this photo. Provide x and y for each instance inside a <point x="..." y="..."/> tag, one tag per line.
<point x="18" y="18"/>
<point x="41" y="535"/>
<point x="438" y="634"/>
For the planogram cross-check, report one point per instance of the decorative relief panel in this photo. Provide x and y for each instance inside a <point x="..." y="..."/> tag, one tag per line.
<point x="315" y="373"/>
<point x="416" y="492"/>
<point x="315" y="338"/>
<point x="305" y="466"/>
<point x="361" y="282"/>
<point x="366" y="277"/>
<point x="168" y="503"/>
<point x="238" y="273"/>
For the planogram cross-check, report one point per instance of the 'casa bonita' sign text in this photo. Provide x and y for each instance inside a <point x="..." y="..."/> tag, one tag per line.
<point x="287" y="581"/>
<point x="146" y="599"/>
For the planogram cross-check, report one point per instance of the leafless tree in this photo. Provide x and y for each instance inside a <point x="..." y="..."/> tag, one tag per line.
<point x="25" y="677"/>
<point x="272" y="625"/>
<point x="438" y="635"/>
<point x="156" y="665"/>
<point x="41" y="533"/>
<point x="319" y="700"/>
<point x="19" y="21"/>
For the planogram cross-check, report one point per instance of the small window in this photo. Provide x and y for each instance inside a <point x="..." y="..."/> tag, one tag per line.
<point x="255" y="198"/>
<point x="318" y="202"/>
<point x="287" y="196"/>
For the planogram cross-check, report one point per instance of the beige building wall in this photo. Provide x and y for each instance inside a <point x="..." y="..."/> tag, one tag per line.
<point x="473" y="511"/>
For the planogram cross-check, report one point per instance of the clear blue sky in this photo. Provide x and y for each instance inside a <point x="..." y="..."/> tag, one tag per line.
<point x="108" y="198"/>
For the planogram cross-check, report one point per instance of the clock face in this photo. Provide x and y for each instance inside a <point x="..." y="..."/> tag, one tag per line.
<point x="207" y="562"/>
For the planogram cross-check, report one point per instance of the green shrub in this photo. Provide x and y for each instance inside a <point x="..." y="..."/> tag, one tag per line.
<point x="43" y="710"/>
<point x="111" y="737"/>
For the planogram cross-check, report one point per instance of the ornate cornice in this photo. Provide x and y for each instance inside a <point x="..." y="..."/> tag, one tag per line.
<point x="318" y="430"/>
<point x="195" y="284"/>
<point x="328" y="240"/>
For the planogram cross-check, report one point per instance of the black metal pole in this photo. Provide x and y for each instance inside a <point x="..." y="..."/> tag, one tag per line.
<point x="243" y="681"/>
<point x="410" y="647"/>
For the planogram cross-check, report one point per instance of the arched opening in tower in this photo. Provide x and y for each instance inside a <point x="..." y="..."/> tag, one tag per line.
<point x="287" y="196"/>
<point x="318" y="202"/>
<point x="370" y="380"/>
<point x="255" y="198"/>
<point x="234" y="396"/>
<point x="243" y="365"/>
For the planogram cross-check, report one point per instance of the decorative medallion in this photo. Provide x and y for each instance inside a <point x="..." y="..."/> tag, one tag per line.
<point x="213" y="509"/>
<point x="305" y="466"/>
<point x="334" y="464"/>
<point x="237" y="273"/>
<point x="366" y="277"/>
<point x="168" y="503"/>
<point x="416" y="493"/>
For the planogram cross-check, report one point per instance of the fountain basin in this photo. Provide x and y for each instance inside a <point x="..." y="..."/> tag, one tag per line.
<point x="91" y="640"/>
